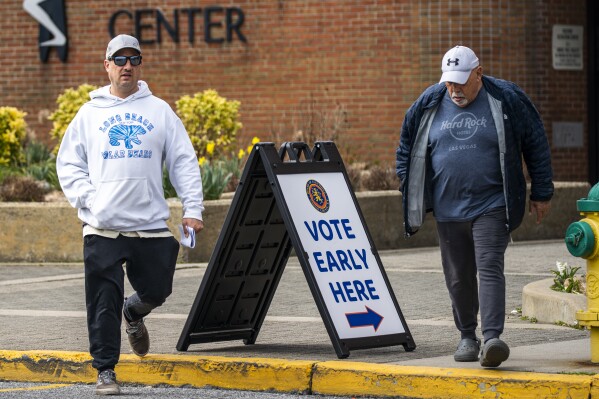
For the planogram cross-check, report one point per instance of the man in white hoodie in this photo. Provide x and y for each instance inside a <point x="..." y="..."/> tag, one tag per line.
<point x="110" y="167"/>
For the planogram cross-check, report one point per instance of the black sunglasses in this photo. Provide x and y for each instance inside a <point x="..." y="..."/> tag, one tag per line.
<point x="121" y="60"/>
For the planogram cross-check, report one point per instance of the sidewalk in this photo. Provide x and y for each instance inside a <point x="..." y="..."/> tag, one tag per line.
<point x="44" y="337"/>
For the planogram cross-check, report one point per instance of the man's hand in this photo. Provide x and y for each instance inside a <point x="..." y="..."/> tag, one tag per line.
<point x="195" y="224"/>
<point x="541" y="208"/>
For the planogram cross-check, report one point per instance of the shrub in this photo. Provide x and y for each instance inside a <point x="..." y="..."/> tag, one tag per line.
<point x="19" y="188"/>
<point x="211" y="122"/>
<point x="379" y="178"/>
<point x="13" y="131"/>
<point x="69" y="103"/>
<point x="354" y="173"/>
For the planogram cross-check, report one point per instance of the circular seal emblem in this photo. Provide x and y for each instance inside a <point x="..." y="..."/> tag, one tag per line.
<point x="317" y="195"/>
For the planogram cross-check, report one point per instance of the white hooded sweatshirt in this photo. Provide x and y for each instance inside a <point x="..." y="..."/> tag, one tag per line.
<point x="111" y="158"/>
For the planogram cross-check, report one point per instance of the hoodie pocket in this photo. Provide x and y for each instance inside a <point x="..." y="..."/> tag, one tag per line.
<point x="123" y="202"/>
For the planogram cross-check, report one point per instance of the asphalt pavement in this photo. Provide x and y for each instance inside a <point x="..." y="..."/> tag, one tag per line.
<point x="44" y="337"/>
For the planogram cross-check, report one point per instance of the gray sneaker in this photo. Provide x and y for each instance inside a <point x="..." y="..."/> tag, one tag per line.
<point x="107" y="384"/>
<point x="494" y="352"/>
<point x="139" y="339"/>
<point x="467" y="350"/>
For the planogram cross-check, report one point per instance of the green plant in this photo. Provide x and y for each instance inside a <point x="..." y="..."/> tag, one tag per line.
<point x="215" y="178"/>
<point x="531" y="319"/>
<point x="13" y="131"/>
<point x="235" y="164"/>
<point x="518" y="313"/>
<point x="211" y="122"/>
<point x="565" y="279"/>
<point x="69" y="103"/>
<point x="167" y="186"/>
<point x="40" y="164"/>
<point x="564" y="324"/>
<point x="232" y="166"/>
<point x="218" y="176"/>
<point x="576" y="372"/>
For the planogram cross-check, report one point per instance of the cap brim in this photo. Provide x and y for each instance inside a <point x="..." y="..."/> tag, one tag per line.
<point x="458" y="77"/>
<point x="108" y="55"/>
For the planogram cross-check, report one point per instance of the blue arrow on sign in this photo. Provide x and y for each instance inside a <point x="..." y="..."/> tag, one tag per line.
<point x="365" y="319"/>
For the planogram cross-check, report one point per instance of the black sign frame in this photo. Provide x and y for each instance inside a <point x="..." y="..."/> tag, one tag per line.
<point x="253" y="248"/>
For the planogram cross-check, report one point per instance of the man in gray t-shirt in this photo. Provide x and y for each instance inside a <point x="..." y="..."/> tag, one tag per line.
<point x="465" y="160"/>
<point x="460" y="155"/>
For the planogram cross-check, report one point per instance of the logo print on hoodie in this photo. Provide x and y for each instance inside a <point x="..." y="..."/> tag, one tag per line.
<point x="127" y="133"/>
<point x="126" y="128"/>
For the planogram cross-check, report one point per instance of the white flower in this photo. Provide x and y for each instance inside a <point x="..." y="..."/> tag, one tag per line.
<point x="561" y="266"/>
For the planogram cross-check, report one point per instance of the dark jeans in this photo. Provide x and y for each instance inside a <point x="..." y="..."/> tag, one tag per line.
<point x="468" y="248"/>
<point x="150" y="264"/>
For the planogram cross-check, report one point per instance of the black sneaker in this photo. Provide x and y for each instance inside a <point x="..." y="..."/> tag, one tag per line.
<point x="107" y="384"/>
<point x="139" y="339"/>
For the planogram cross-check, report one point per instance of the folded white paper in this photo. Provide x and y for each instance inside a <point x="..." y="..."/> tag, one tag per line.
<point x="190" y="240"/>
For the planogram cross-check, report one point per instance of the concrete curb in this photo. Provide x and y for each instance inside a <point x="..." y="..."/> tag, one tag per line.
<point x="297" y="376"/>
<point x="549" y="306"/>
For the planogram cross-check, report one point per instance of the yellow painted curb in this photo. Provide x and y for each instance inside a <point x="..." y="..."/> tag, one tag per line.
<point x="229" y="373"/>
<point x="324" y="378"/>
<point x="595" y="387"/>
<point x="357" y="379"/>
<point x="46" y="366"/>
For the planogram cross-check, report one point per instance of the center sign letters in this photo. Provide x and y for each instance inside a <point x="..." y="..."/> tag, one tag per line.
<point x="340" y="255"/>
<point x="219" y="24"/>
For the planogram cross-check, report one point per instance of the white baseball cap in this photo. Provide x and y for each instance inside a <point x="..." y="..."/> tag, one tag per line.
<point x="457" y="64"/>
<point x="120" y="42"/>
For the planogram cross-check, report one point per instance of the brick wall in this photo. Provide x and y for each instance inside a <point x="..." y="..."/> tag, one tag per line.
<point x="350" y="67"/>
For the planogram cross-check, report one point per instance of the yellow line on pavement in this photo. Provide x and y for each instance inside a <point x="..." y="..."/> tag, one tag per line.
<point x="36" y="388"/>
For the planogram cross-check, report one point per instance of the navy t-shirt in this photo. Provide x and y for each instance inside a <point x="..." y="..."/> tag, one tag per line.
<point x="465" y="160"/>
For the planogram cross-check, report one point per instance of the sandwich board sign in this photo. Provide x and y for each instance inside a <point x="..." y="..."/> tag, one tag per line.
<point x="303" y="203"/>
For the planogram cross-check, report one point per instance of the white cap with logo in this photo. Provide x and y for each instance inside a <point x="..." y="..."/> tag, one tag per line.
<point x="120" y="42"/>
<point x="457" y="64"/>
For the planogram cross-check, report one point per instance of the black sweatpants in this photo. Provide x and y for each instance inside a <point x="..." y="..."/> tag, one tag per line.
<point x="150" y="264"/>
<point x="468" y="248"/>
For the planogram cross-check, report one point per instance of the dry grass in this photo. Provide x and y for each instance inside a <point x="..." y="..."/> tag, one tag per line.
<point x="17" y="188"/>
<point x="378" y="178"/>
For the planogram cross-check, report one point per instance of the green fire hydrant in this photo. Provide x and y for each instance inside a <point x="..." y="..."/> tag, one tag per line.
<point x="581" y="240"/>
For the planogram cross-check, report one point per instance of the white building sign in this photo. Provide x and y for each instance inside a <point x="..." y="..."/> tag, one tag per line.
<point x="567" y="47"/>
